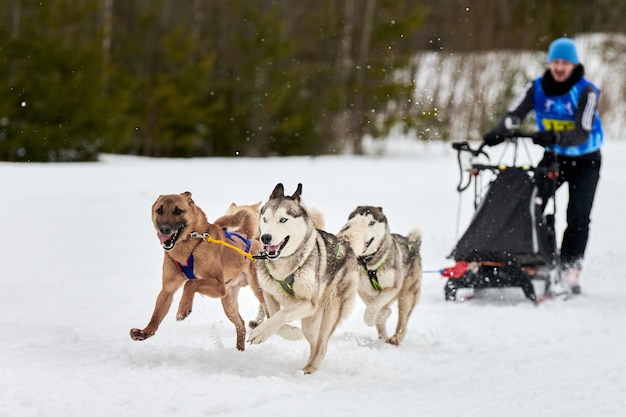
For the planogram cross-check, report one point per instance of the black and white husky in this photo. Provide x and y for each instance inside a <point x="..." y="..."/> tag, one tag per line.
<point x="391" y="268"/>
<point x="305" y="274"/>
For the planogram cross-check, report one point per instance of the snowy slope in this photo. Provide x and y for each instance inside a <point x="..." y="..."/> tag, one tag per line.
<point x="80" y="266"/>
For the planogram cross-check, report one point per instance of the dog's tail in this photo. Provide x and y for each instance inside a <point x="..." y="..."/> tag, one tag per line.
<point x="240" y="222"/>
<point x="415" y="239"/>
<point x="318" y="218"/>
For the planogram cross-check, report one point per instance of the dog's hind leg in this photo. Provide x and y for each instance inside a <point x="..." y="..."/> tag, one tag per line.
<point x="231" y="308"/>
<point x="318" y="332"/>
<point x="406" y="303"/>
<point x="339" y="305"/>
<point x="311" y="330"/>
<point x="409" y="296"/>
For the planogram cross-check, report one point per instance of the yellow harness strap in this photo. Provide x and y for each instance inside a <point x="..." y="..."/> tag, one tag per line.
<point x="209" y="239"/>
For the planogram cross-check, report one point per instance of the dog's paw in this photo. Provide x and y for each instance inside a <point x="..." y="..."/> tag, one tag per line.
<point x="289" y="332"/>
<point x="259" y="335"/>
<point x="138" y="334"/>
<point x="393" y="340"/>
<point x="369" y="317"/>
<point x="182" y="314"/>
<point x="308" y="370"/>
<point x="256" y="336"/>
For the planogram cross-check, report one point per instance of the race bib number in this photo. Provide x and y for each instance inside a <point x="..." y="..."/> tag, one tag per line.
<point x="551" y="124"/>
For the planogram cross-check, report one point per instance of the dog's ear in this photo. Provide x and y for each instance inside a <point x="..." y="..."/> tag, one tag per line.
<point x="357" y="210"/>
<point x="296" y="195"/>
<point x="279" y="191"/>
<point x="187" y="195"/>
<point x="256" y="206"/>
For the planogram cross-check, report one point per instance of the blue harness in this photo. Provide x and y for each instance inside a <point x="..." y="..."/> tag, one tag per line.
<point x="230" y="235"/>
<point x="188" y="269"/>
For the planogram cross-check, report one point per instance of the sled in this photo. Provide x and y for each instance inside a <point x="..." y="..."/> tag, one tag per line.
<point x="509" y="242"/>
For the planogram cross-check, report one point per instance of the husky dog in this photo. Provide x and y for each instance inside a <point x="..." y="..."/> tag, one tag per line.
<point x="391" y="268"/>
<point x="212" y="268"/>
<point x="245" y="219"/>
<point x="306" y="274"/>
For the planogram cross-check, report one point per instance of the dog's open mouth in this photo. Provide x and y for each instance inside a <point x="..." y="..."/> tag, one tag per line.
<point x="168" y="241"/>
<point x="366" y="245"/>
<point x="273" y="251"/>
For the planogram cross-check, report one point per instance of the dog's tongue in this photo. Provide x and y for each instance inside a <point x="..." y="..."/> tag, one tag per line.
<point x="163" y="238"/>
<point x="365" y="246"/>
<point x="272" y="248"/>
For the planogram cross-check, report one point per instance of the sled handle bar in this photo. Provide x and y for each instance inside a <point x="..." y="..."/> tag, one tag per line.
<point x="461" y="147"/>
<point x="465" y="147"/>
<point x="511" y="137"/>
<point x="495" y="168"/>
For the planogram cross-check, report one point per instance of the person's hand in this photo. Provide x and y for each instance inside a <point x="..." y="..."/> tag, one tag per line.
<point x="492" y="138"/>
<point x="545" y="138"/>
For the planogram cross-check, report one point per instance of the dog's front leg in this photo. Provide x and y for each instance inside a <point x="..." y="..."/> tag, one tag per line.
<point x="212" y="287"/>
<point x="172" y="280"/>
<point x="276" y="321"/>
<point x="286" y="331"/>
<point x="186" y="301"/>
<point x="162" y="306"/>
<point x="373" y="309"/>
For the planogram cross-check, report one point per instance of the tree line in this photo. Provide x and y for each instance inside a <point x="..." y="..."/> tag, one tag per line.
<point x="239" y="77"/>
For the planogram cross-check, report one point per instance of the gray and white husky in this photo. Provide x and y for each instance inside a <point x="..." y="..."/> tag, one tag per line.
<point x="391" y="268"/>
<point x="305" y="274"/>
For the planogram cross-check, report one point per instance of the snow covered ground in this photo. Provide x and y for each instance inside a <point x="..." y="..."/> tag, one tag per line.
<point x="80" y="265"/>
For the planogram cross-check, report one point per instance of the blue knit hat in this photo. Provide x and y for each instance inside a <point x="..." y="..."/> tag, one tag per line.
<point x="563" y="48"/>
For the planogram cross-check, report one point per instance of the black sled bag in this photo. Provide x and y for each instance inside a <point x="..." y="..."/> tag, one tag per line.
<point x="508" y="225"/>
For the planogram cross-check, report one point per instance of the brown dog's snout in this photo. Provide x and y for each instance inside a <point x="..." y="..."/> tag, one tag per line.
<point x="165" y="229"/>
<point x="266" y="238"/>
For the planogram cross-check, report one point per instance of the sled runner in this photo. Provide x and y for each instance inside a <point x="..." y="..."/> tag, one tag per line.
<point x="509" y="241"/>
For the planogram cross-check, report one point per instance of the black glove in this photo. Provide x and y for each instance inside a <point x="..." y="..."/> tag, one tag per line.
<point x="545" y="138"/>
<point x="492" y="138"/>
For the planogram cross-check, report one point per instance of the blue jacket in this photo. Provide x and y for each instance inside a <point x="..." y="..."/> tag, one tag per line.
<point x="558" y="113"/>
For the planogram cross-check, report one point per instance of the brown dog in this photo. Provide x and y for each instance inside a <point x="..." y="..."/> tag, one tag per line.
<point x="242" y="219"/>
<point x="211" y="268"/>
